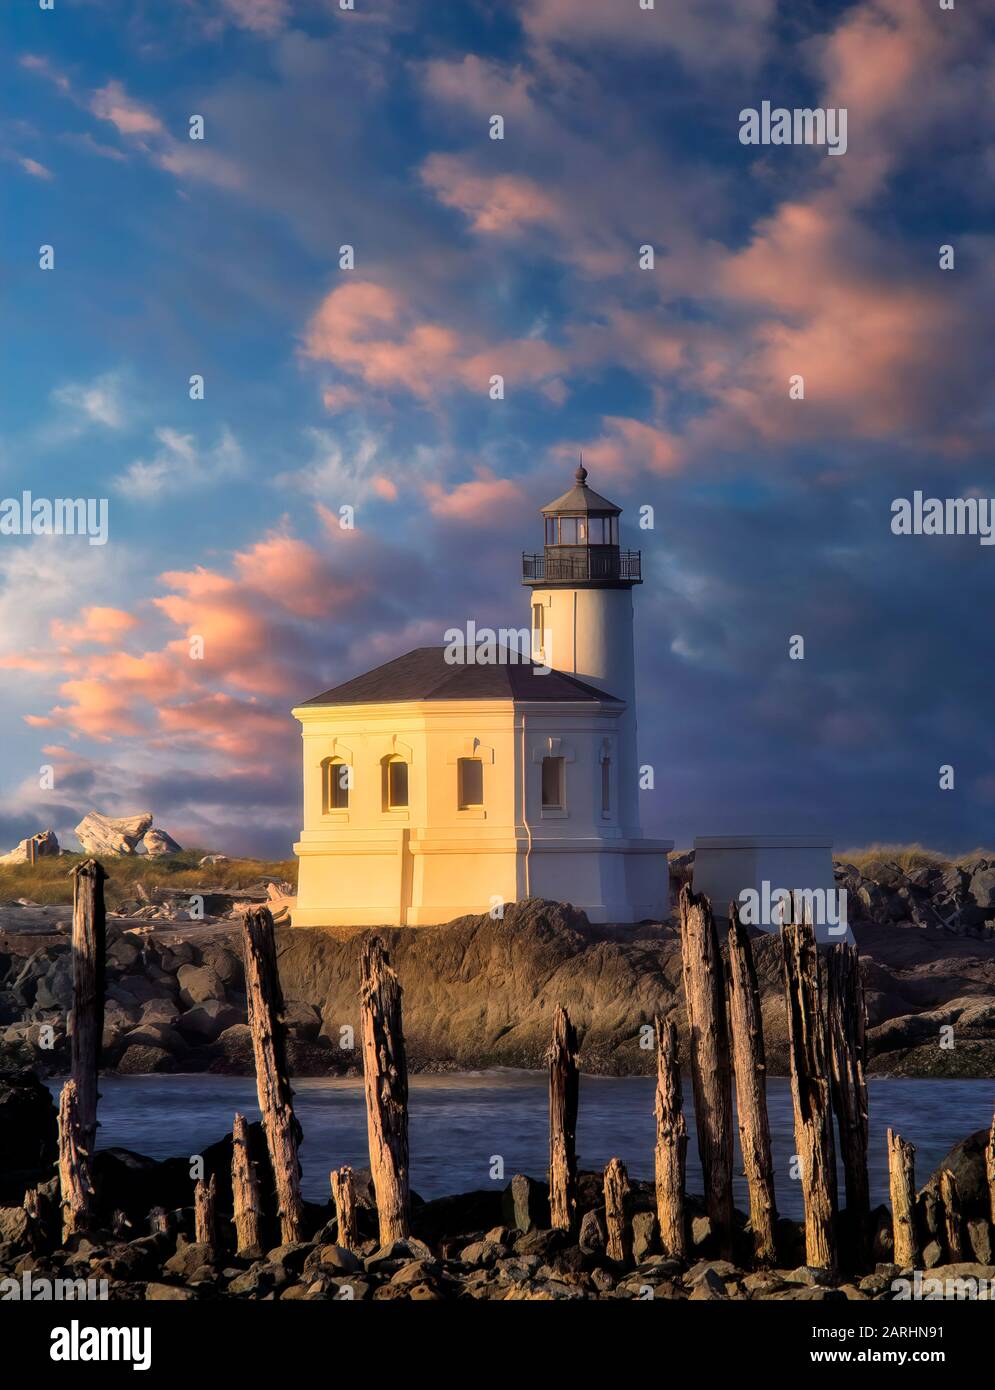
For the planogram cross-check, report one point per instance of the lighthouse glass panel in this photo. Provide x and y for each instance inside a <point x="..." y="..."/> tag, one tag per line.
<point x="397" y="784"/>
<point x="552" y="784"/>
<point x="471" y="783"/>
<point x="568" y="530"/>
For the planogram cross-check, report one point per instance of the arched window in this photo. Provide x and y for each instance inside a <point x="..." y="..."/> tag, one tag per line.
<point x="394" y="783"/>
<point x="336" y="781"/>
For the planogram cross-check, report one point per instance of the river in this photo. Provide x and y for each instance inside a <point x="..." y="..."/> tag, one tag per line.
<point x="460" y="1122"/>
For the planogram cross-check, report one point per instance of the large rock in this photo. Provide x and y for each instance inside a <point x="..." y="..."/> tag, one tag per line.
<point x="204" y="1022"/>
<point x="966" y="1160"/>
<point x="105" y="835"/>
<point x="28" y="1124"/>
<point x="156" y="842"/>
<point x="45" y="844"/>
<point x="198" y="984"/>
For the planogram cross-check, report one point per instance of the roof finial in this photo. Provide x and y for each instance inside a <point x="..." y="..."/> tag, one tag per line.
<point x="581" y="474"/>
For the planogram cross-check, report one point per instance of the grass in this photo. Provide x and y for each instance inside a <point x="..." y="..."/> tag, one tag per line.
<point x="48" y="881"/>
<point x="909" y="858"/>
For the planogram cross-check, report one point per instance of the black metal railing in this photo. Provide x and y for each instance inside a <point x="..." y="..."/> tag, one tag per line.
<point x="584" y="564"/>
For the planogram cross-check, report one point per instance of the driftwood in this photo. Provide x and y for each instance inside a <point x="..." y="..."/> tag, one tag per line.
<point x="246" y="1208"/>
<point x="810" y="1093"/>
<point x="902" y="1185"/>
<point x="953" y="1223"/>
<point x="159" y="1221"/>
<point x="344" y="1197"/>
<point x="564" y="1084"/>
<point x="265" y="1010"/>
<point x="205" y="1195"/>
<point x="709" y="1051"/>
<point x="616" y="1216"/>
<point x="848" y="1058"/>
<point x="385" y="1075"/>
<point x="86" y="1021"/>
<point x="671" y="1143"/>
<point x="74" y="1164"/>
<point x="750" y="1067"/>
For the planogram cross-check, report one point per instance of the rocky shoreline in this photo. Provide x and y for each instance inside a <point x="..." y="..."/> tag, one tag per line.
<point x="491" y="1245"/>
<point x="478" y="991"/>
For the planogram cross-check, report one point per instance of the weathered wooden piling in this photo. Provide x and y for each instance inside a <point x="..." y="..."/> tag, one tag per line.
<point x="344" y="1197"/>
<point x="246" y="1207"/>
<point x="902" y="1186"/>
<point x="848" y="1060"/>
<point x="711" y="1078"/>
<point x="953" y="1222"/>
<point x="385" y="1075"/>
<point x="750" y="1067"/>
<point x="265" y="1011"/>
<point x="564" y="1089"/>
<point x="74" y="1163"/>
<point x="616" y="1215"/>
<point x="159" y="1221"/>
<point x="810" y="1093"/>
<point x="671" y="1143"/>
<point x="205" y="1195"/>
<point x="990" y="1169"/>
<point x="86" y="1020"/>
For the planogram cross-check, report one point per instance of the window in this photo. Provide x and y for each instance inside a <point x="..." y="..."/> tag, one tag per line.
<point x="470" y="779"/>
<point x="551" y="530"/>
<point x="553" y="789"/>
<point x="606" y="786"/>
<point x="395" y="784"/>
<point x="612" y="522"/>
<point x="336" y="780"/>
<point x="538" y="627"/>
<point x="568" y="530"/>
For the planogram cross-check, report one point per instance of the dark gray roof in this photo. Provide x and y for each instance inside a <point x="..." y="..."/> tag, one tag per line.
<point x="581" y="498"/>
<point x="424" y="674"/>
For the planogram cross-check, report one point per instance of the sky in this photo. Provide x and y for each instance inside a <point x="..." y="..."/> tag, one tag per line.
<point x="328" y="387"/>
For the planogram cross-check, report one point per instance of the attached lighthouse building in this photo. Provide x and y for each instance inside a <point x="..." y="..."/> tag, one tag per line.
<point x="438" y="785"/>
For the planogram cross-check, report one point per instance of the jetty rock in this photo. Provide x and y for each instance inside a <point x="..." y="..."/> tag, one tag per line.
<point x="104" y="835"/>
<point x="45" y="843"/>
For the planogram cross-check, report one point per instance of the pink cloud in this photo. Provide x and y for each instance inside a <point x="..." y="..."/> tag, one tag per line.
<point x="497" y="203"/>
<point x="102" y="625"/>
<point x="372" y="332"/>
<point x="259" y="16"/>
<point x="112" y="103"/>
<point x="479" y="501"/>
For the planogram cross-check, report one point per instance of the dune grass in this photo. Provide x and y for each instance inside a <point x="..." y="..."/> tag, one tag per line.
<point x="48" y="881"/>
<point x="909" y="858"/>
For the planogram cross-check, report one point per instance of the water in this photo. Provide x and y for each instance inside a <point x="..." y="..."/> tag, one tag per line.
<point x="458" y="1122"/>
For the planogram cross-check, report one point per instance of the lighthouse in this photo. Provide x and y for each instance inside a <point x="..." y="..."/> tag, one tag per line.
<point x="438" y="787"/>
<point x="582" y="614"/>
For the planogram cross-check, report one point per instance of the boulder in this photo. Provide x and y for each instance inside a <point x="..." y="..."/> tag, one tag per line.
<point x="44" y="842"/>
<point x="966" y="1160"/>
<point x="28" y="1122"/>
<point x="591" y="1238"/>
<point x="198" y="984"/>
<point x="106" y="835"/>
<point x="525" y="1203"/>
<point x="141" y="1059"/>
<point x="155" y="843"/>
<point x="205" y="1022"/>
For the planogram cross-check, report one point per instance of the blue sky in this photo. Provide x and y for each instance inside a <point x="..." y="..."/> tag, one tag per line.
<point x="368" y="387"/>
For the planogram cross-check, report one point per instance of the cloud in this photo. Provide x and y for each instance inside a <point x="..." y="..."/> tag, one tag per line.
<point x="265" y="17"/>
<point x="96" y="624"/>
<point x="36" y="170"/>
<point x="496" y="204"/>
<point x="129" y="117"/>
<point x="97" y="402"/>
<point x="180" y="465"/>
<point x="367" y="330"/>
<point x="480" y="501"/>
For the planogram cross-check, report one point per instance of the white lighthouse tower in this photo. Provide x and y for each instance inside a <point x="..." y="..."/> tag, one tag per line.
<point x="582" y="618"/>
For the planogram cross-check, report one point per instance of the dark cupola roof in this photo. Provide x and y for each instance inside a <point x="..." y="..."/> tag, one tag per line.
<point x="581" y="499"/>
